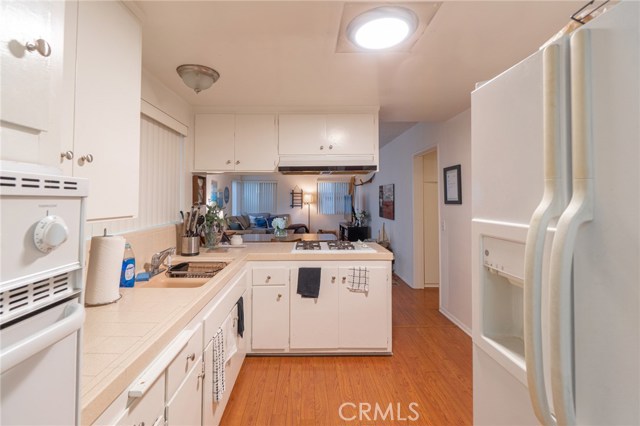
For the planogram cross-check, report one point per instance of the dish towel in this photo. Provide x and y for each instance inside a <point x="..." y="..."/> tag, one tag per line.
<point x="240" y="305"/>
<point x="218" y="366"/>
<point x="309" y="282"/>
<point x="358" y="281"/>
<point x="230" y="334"/>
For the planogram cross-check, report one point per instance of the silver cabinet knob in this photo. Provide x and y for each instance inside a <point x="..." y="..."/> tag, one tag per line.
<point x="268" y="278"/>
<point x="279" y="297"/>
<point x="86" y="159"/>
<point x="330" y="146"/>
<point x="321" y="147"/>
<point x="191" y="356"/>
<point x="228" y="162"/>
<point x="66" y="155"/>
<point x="237" y="161"/>
<point x="40" y="45"/>
<point x="333" y="280"/>
<point x="344" y="280"/>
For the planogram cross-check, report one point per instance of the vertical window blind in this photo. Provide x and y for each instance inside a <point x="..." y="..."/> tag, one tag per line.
<point x="253" y="197"/>
<point x="334" y="198"/>
<point x="161" y="180"/>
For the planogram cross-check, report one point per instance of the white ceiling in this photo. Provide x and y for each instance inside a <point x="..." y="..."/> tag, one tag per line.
<point x="283" y="54"/>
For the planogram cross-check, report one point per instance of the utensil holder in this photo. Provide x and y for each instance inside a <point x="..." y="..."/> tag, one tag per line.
<point x="190" y="246"/>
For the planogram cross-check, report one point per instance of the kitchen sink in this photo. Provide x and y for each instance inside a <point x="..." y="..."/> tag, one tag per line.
<point x="185" y="275"/>
<point x="162" y="281"/>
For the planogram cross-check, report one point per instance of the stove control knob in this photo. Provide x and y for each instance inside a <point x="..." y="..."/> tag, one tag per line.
<point x="50" y="233"/>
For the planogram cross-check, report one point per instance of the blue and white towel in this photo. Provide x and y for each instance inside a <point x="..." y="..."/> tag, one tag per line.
<point x="218" y="365"/>
<point x="358" y="280"/>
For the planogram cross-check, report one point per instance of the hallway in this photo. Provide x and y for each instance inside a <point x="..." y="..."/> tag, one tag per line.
<point x="427" y="381"/>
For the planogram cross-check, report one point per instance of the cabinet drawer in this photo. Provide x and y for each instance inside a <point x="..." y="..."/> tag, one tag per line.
<point x="184" y="361"/>
<point x="148" y="410"/>
<point x="270" y="276"/>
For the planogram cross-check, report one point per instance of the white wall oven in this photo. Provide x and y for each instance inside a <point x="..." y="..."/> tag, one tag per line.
<point x="41" y="311"/>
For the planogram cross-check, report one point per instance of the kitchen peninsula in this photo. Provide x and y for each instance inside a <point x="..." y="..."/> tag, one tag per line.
<point x="145" y="356"/>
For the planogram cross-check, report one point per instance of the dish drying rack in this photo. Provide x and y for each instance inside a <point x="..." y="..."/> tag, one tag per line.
<point x="195" y="269"/>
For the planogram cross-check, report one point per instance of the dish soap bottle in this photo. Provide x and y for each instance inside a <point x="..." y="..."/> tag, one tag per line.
<point x="127" y="276"/>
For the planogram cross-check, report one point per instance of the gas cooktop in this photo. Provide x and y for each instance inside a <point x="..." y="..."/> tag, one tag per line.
<point x="331" y="247"/>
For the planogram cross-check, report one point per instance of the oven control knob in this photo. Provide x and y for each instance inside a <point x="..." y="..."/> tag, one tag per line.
<point x="50" y="233"/>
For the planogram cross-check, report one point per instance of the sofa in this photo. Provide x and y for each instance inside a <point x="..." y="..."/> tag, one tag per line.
<point x="260" y="223"/>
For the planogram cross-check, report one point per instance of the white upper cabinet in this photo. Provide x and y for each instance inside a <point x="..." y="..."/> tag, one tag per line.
<point x="328" y="134"/>
<point x="351" y="134"/>
<point x="106" y="146"/>
<point x="235" y="142"/>
<point x="32" y="54"/>
<point x="300" y="134"/>
<point x="214" y="142"/>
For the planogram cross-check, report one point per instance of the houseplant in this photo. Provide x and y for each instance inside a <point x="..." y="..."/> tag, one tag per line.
<point x="214" y="224"/>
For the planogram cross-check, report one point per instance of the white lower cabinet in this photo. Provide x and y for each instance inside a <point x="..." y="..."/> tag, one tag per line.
<point x="235" y="352"/>
<point x="365" y="316"/>
<point x="270" y="322"/>
<point x="315" y="322"/>
<point x="146" y="410"/>
<point x="184" y="408"/>
<point x="176" y="388"/>
<point x="340" y="319"/>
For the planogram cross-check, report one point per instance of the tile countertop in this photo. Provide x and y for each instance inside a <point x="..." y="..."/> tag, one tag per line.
<point x="121" y="339"/>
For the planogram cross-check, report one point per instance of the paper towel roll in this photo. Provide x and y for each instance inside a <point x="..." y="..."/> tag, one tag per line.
<point x="103" y="273"/>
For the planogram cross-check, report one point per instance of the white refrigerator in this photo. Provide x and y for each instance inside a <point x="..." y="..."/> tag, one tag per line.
<point x="556" y="232"/>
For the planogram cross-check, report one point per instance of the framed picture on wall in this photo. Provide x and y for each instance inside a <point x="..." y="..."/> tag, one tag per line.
<point x="386" y="201"/>
<point x="452" y="185"/>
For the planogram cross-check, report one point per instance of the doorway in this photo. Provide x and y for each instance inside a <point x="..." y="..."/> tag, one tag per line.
<point x="426" y="220"/>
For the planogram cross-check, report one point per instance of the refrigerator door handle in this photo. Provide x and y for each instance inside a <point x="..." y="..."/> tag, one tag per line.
<point x="551" y="206"/>
<point x="579" y="212"/>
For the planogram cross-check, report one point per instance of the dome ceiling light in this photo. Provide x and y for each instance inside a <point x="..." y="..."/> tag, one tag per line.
<point x="382" y="27"/>
<point x="198" y="77"/>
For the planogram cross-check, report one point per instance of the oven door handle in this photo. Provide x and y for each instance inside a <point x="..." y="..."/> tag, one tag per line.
<point x="20" y="351"/>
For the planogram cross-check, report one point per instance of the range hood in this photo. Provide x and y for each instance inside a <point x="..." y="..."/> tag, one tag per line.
<point x="326" y="170"/>
<point x="327" y="165"/>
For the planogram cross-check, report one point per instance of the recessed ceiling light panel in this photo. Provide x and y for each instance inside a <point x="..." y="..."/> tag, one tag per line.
<point x="382" y="27"/>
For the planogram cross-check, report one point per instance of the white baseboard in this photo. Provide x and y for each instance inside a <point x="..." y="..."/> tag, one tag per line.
<point x="455" y="320"/>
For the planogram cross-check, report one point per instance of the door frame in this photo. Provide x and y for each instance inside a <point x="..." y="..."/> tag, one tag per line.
<point x="418" y="220"/>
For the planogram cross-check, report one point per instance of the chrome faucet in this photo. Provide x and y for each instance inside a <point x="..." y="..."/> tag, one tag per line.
<point x="158" y="258"/>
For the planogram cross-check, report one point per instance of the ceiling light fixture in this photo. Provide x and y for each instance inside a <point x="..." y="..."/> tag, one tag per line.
<point x="198" y="77"/>
<point x="382" y="27"/>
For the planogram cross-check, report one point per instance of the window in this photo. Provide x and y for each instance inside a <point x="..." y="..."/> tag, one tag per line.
<point x="334" y="198"/>
<point x="253" y="197"/>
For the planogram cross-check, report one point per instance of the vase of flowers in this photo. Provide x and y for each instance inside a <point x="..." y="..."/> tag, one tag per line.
<point x="279" y="225"/>
<point x="214" y="225"/>
<point x="361" y="217"/>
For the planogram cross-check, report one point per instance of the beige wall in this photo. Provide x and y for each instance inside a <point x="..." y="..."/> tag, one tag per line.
<point x="453" y="141"/>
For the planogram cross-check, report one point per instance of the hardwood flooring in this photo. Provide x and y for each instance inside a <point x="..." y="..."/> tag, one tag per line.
<point x="427" y="381"/>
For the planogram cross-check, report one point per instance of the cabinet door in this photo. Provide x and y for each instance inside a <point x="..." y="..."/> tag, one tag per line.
<point x="302" y="134"/>
<point x="256" y="142"/>
<point x="364" y="317"/>
<point x="34" y="111"/>
<point x="270" y="319"/>
<point x="26" y="76"/>
<point x="314" y="322"/>
<point x="214" y="142"/>
<point x="107" y="126"/>
<point x="351" y="134"/>
<point x="185" y="408"/>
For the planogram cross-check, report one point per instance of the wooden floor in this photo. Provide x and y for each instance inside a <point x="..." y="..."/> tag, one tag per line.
<point x="430" y="367"/>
